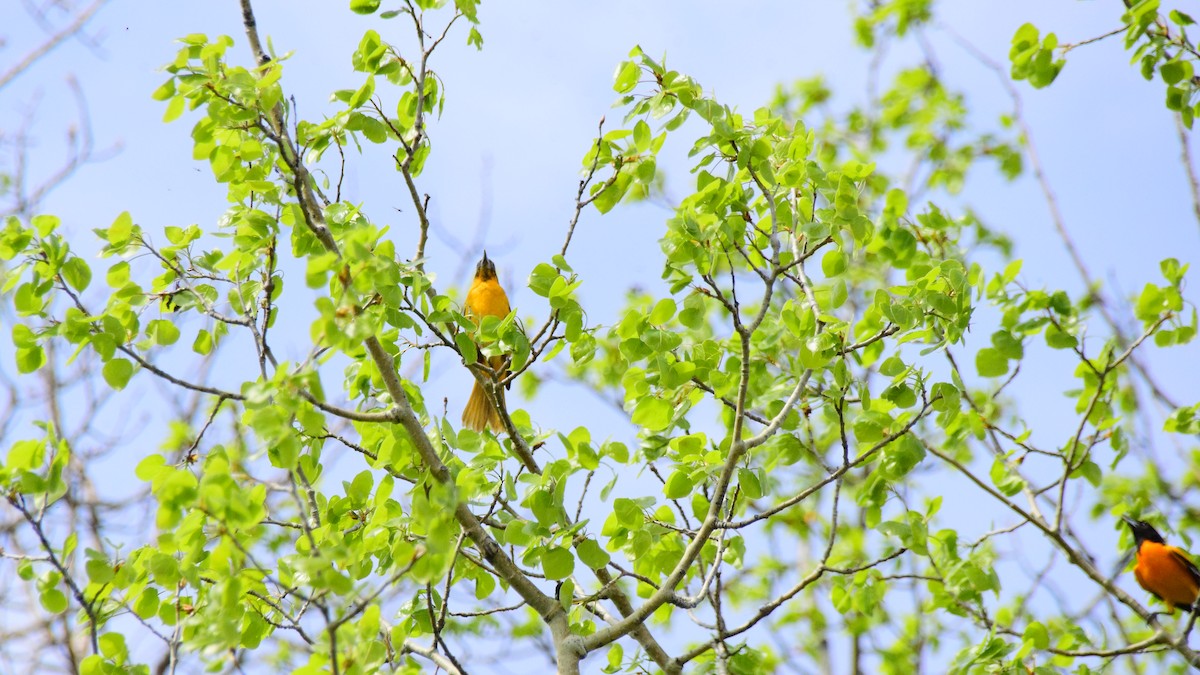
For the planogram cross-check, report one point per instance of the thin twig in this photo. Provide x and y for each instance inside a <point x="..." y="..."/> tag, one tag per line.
<point x="1185" y="148"/>
<point x="48" y="46"/>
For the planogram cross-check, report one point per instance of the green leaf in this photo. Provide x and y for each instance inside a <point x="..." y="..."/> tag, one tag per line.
<point x="149" y="467"/>
<point x="990" y="362"/>
<point x="1012" y="270"/>
<point x="147" y="603"/>
<point x="1008" y="345"/>
<point x="662" y="312"/>
<point x="1152" y="302"/>
<point x="750" y="485"/>
<point x="892" y="367"/>
<point x="45" y="224"/>
<point x="174" y="108"/>
<point x="25" y="455"/>
<point x="1037" y="635"/>
<point x="474" y="38"/>
<point x="163" y="332"/>
<point x="612" y="194"/>
<point x="117" y="372"/>
<point x="28" y="300"/>
<point x="541" y="279"/>
<point x="469" y="9"/>
<point x="1090" y="471"/>
<point x="629" y="513"/>
<point x="54" y="600"/>
<point x="1006" y="480"/>
<point x="654" y="414"/>
<point x="99" y="571"/>
<point x="93" y="665"/>
<point x="557" y="563"/>
<point x="466" y="346"/>
<point x="641" y="136"/>
<point x="165" y="90"/>
<point x="616" y="450"/>
<point x="515" y="534"/>
<point x="1033" y="59"/>
<point x="364" y="92"/>
<point x="616" y="656"/>
<point x="77" y="273"/>
<point x="945" y="397"/>
<point x="121" y="230"/>
<point x="679" y="485"/>
<point x="23" y="336"/>
<point x="29" y="359"/>
<point x="566" y="594"/>
<point x="360" y="488"/>
<point x="1057" y="339"/>
<point x="592" y="554"/>
<point x="203" y="343"/>
<point x="112" y="645"/>
<point x="901" y="395"/>
<point x="626" y="77"/>
<point x="364" y="6"/>
<point x="839" y="294"/>
<point x="561" y="263"/>
<point x="1175" y="71"/>
<point x="1172" y="271"/>
<point x="118" y="275"/>
<point x="833" y="263"/>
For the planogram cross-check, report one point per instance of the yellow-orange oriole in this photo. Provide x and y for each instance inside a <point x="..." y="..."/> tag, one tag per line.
<point x="1165" y="571"/>
<point x="486" y="298"/>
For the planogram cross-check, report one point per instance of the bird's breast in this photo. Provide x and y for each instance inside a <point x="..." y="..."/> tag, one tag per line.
<point x="487" y="299"/>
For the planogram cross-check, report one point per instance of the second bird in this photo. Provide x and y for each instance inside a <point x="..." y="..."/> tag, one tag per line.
<point x="1164" y="570"/>
<point x="486" y="298"/>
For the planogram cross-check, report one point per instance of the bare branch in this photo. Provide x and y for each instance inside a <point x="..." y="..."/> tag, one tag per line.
<point x="48" y="46"/>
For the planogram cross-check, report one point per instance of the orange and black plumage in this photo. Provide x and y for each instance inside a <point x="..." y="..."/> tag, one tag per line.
<point x="1165" y="571"/>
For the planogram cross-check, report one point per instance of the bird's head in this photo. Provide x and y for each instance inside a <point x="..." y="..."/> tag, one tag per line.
<point x="1142" y="531"/>
<point x="485" y="269"/>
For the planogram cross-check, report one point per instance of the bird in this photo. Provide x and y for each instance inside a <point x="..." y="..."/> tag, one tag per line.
<point x="1165" y="571"/>
<point x="486" y="298"/>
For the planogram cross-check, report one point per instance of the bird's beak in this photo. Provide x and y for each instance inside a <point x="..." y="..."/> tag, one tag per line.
<point x="485" y="258"/>
<point x="1129" y="521"/>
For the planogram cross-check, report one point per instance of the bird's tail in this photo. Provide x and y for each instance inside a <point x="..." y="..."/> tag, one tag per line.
<point x="479" y="414"/>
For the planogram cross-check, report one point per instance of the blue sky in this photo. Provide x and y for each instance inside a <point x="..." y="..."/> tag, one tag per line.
<point x="521" y="113"/>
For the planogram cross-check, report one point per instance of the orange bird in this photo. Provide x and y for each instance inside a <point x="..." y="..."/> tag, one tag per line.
<point x="1165" y="571"/>
<point x="486" y="298"/>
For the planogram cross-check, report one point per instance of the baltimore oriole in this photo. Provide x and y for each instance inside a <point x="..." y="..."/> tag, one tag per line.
<point x="486" y="298"/>
<point x="1165" y="571"/>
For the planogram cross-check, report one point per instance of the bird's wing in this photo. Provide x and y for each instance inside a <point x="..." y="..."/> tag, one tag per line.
<point x="1192" y="570"/>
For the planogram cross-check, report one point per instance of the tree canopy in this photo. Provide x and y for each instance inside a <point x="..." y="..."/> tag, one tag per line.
<point x="815" y="395"/>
